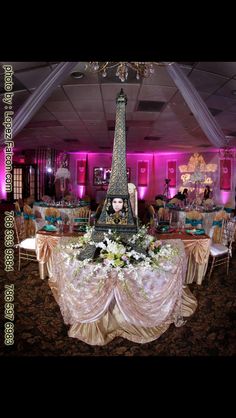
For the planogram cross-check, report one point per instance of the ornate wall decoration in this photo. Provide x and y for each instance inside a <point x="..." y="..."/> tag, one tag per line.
<point x="197" y="173"/>
<point x="171" y="174"/>
<point x="81" y="172"/>
<point x="225" y="174"/>
<point x="142" y="173"/>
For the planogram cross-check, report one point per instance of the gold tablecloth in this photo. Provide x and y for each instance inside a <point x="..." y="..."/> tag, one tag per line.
<point x="197" y="249"/>
<point x="98" y="307"/>
<point x="45" y="243"/>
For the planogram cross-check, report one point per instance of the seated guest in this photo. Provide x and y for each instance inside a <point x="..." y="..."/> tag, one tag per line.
<point x="185" y="194"/>
<point x="160" y="196"/>
<point x="207" y="193"/>
<point x="182" y="196"/>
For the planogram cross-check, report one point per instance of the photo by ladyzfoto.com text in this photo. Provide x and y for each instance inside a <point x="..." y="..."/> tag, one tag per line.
<point x="7" y="215"/>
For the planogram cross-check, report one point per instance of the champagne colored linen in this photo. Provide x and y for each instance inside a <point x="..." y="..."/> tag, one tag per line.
<point x="113" y="324"/>
<point x="195" y="272"/>
<point x="207" y="219"/>
<point x="151" y="303"/>
<point x="83" y="212"/>
<point x="52" y="212"/>
<point x="65" y="212"/>
<point x="29" y="223"/>
<point x="217" y="234"/>
<point x="189" y="302"/>
<point x="197" y="250"/>
<point x="99" y="306"/>
<point x="44" y="247"/>
<point x="194" y="215"/>
<point x="17" y="206"/>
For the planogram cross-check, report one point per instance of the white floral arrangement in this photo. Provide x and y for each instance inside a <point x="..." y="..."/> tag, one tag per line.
<point x="197" y="176"/>
<point x="114" y="253"/>
<point x="62" y="173"/>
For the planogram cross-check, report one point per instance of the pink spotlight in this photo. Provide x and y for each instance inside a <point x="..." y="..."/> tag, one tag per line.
<point x="172" y="191"/>
<point x="81" y="191"/>
<point x="142" y="192"/>
<point x="225" y="197"/>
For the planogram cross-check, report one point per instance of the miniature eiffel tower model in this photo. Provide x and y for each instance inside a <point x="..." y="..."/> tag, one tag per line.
<point x="118" y="185"/>
<point x="118" y="188"/>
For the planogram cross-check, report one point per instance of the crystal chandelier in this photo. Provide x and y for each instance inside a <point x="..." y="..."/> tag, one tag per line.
<point x="142" y="69"/>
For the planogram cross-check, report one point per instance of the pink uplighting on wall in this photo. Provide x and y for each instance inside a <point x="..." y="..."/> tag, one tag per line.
<point x="81" y="191"/>
<point x="142" y="191"/>
<point x="3" y="193"/>
<point x="225" y="197"/>
<point x="172" y="191"/>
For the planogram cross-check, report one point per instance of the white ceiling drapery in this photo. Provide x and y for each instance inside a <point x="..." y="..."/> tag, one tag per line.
<point x="197" y="106"/>
<point x="39" y="97"/>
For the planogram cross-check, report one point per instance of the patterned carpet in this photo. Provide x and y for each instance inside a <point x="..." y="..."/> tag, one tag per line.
<point x="40" y="331"/>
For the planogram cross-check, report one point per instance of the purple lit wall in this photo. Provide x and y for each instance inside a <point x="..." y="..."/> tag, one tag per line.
<point x="158" y="172"/>
<point x="3" y="194"/>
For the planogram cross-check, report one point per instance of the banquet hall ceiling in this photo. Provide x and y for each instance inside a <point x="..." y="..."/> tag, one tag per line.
<point x="80" y="113"/>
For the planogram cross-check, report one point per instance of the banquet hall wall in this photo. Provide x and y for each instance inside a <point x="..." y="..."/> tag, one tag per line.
<point x="157" y="172"/>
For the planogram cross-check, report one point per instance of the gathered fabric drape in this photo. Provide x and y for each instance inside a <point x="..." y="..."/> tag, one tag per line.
<point x="99" y="306"/>
<point x="39" y="96"/>
<point x="197" y="106"/>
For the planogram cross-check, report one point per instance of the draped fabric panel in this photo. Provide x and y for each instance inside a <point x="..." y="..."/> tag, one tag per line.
<point x="197" y="106"/>
<point x="225" y="174"/>
<point x="44" y="248"/>
<point x="143" y="173"/>
<point x="172" y="173"/>
<point x="100" y="307"/>
<point x="39" y="96"/>
<point x="81" y="172"/>
<point x="113" y="324"/>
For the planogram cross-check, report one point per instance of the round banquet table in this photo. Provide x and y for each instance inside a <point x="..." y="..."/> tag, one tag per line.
<point x="98" y="305"/>
<point x="65" y="211"/>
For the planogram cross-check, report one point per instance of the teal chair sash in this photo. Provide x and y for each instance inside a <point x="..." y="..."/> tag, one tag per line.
<point x="26" y="216"/>
<point x="193" y="222"/>
<point x="228" y="210"/>
<point x="217" y="223"/>
<point x="53" y="219"/>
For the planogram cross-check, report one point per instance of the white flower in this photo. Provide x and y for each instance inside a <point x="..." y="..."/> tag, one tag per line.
<point x="62" y="173"/>
<point x="121" y="257"/>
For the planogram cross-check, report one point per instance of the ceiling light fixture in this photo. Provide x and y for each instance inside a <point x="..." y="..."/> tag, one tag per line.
<point x="77" y="75"/>
<point x="142" y="69"/>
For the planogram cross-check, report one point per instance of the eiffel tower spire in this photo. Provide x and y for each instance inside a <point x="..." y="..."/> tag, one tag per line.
<point x="118" y="186"/>
<point x="118" y="179"/>
<point x="121" y="220"/>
